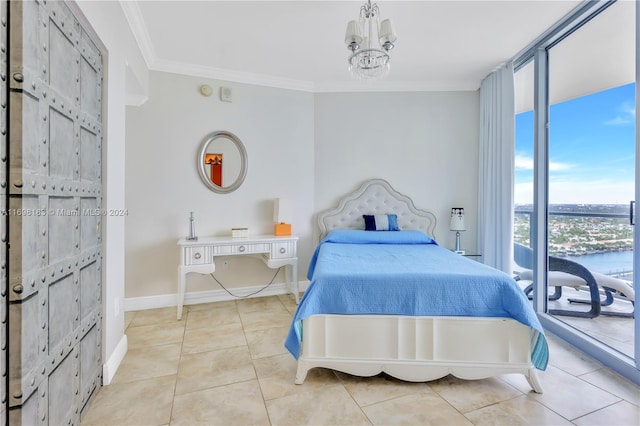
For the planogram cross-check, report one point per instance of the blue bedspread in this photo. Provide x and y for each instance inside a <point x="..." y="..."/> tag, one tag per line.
<point x="407" y="273"/>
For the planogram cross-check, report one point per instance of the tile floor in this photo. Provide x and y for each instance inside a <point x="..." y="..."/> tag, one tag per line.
<point x="225" y="364"/>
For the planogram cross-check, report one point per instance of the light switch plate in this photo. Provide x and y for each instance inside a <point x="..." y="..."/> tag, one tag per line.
<point x="225" y="94"/>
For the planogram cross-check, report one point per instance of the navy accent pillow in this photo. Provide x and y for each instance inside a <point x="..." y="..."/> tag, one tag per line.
<point x="380" y="222"/>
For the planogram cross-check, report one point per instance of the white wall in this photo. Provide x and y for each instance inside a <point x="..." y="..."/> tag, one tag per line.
<point x="124" y="57"/>
<point x="310" y="148"/>
<point x="163" y="139"/>
<point x="425" y="144"/>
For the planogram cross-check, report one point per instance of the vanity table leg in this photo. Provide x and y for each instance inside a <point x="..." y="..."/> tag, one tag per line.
<point x="181" y="284"/>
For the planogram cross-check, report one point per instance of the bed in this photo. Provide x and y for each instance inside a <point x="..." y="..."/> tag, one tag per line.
<point x="398" y="303"/>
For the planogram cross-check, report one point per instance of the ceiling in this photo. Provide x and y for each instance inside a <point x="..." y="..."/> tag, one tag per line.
<point x="442" y="45"/>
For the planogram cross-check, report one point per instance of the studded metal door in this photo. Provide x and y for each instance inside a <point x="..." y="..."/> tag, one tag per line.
<point x="53" y="214"/>
<point x="3" y="207"/>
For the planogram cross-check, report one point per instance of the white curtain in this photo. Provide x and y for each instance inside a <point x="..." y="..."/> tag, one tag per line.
<point x="496" y="156"/>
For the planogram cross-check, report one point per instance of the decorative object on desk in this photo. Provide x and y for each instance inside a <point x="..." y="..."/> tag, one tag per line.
<point x="239" y="232"/>
<point x="369" y="41"/>
<point x="192" y="228"/>
<point x="215" y="147"/>
<point x="457" y="224"/>
<point x="282" y="213"/>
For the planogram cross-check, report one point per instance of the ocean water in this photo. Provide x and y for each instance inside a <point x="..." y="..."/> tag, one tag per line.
<point x="607" y="263"/>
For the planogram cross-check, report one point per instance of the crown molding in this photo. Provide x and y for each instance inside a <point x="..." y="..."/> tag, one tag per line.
<point x="229" y="75"/>
<point x="396" y="86"/>
<point x="139" y="29"/>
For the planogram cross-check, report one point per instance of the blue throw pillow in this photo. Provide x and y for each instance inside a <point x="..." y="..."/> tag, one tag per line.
<point x="380" y="222"/>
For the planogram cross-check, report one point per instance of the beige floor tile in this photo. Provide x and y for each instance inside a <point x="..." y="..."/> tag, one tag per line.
<point x="371" y="390"/>
<point x="517" y="411"/>
<point x="276" y="375"/>
<point x="571" y="397"/>
<point x="417" y="409"/>
<point x="154" y="335"/>
<point x="128" y="317"/>
<point x="566" y="357"/>
<point x="147" y="362"/>
<point x="267" y="342"/>
<point x="226" y="304"/>
<point x="469" y="395"/>
<point x="330" y="405"/>
<point x="257" y="320"/>
<point x="614" y="384"/>
<point x="289" y="302"/>
<point x="213" y="317"/>
<point x="209" y="369"/>
<point x="145" y="402"/>
<point x="155" y="316"/>
<point x="260" y="304"/>
<point x="235" y="404"/>
<point x="620" y="414"/>
<point x="213" y="338"/>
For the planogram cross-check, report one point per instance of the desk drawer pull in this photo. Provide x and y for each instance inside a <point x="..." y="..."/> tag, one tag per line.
<point x="283" y="250"/>
<point x="197" y="255"/>
<point x="241" y="249"/>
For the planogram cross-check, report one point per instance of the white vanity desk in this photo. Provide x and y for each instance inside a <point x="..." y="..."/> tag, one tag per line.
<point x="198" y="256"/>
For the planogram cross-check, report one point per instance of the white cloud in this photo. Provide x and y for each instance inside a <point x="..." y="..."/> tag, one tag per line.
<point x="578" y="192"/>
<point x="524" y="162"/>
<point x="626" y="116"/>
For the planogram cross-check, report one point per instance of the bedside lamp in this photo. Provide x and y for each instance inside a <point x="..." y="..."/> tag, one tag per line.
<point x="457" y="224"/>
<point x="282" y="213"/>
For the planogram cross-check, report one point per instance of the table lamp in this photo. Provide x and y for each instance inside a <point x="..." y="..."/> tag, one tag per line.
<point x="282" y="213"/>
<point x="457" y="224"/>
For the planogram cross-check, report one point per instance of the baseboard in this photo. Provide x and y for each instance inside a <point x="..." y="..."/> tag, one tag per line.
<point x="111" y="366"/>
<point x="208" y="296"/>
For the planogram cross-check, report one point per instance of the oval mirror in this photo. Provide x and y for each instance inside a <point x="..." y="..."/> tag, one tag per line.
<point x="222" y="162"/>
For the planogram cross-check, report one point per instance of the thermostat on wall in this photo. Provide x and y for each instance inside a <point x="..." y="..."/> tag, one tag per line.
<point x="225" y="94"/>
<point x="206" y="90"/>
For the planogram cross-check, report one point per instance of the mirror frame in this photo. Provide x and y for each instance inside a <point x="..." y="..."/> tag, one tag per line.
<point x="243" y="167"/>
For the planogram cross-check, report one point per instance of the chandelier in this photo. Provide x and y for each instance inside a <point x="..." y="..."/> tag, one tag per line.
<point x="369" y="42"/>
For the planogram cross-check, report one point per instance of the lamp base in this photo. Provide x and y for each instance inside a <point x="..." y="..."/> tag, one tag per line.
<point x="457" y="249"/>
<point x="460" y="252"/>
<point x="282" y="229"/>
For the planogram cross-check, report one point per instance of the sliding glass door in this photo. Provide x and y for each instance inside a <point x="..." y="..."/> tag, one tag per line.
<point x="591" y="172"/>
<point x="575" y="179"/>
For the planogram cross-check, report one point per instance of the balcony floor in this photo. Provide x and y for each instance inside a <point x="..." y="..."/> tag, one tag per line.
<point x="616" y="332"/>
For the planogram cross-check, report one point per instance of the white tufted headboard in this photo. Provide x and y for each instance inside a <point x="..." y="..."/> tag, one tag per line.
<point x="375" y="196"/>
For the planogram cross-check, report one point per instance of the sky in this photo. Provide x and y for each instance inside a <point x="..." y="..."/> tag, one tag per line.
<point x="591" y="150"/>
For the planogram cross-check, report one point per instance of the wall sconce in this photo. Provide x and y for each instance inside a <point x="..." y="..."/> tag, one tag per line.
<point x="457" y="224"/>
<point x="283" y="212"/>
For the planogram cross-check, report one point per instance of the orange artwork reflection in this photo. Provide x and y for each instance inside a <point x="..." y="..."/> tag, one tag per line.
<point x="215" y="160"/>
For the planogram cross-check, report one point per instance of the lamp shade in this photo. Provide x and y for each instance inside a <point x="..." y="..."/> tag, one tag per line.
<point x="387" y="33"/>
<point x="457" y="219"/>
<point x="353" y="34"/>
<point x="283" y="210"/>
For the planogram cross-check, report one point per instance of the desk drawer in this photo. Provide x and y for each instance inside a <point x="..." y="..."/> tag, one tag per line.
<point x="197" y="255"/>
<point x="283" y="250"/>
<point x="240" y="248"/>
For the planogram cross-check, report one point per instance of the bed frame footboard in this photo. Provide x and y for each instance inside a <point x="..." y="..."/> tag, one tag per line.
<point x="417" y="349"/>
